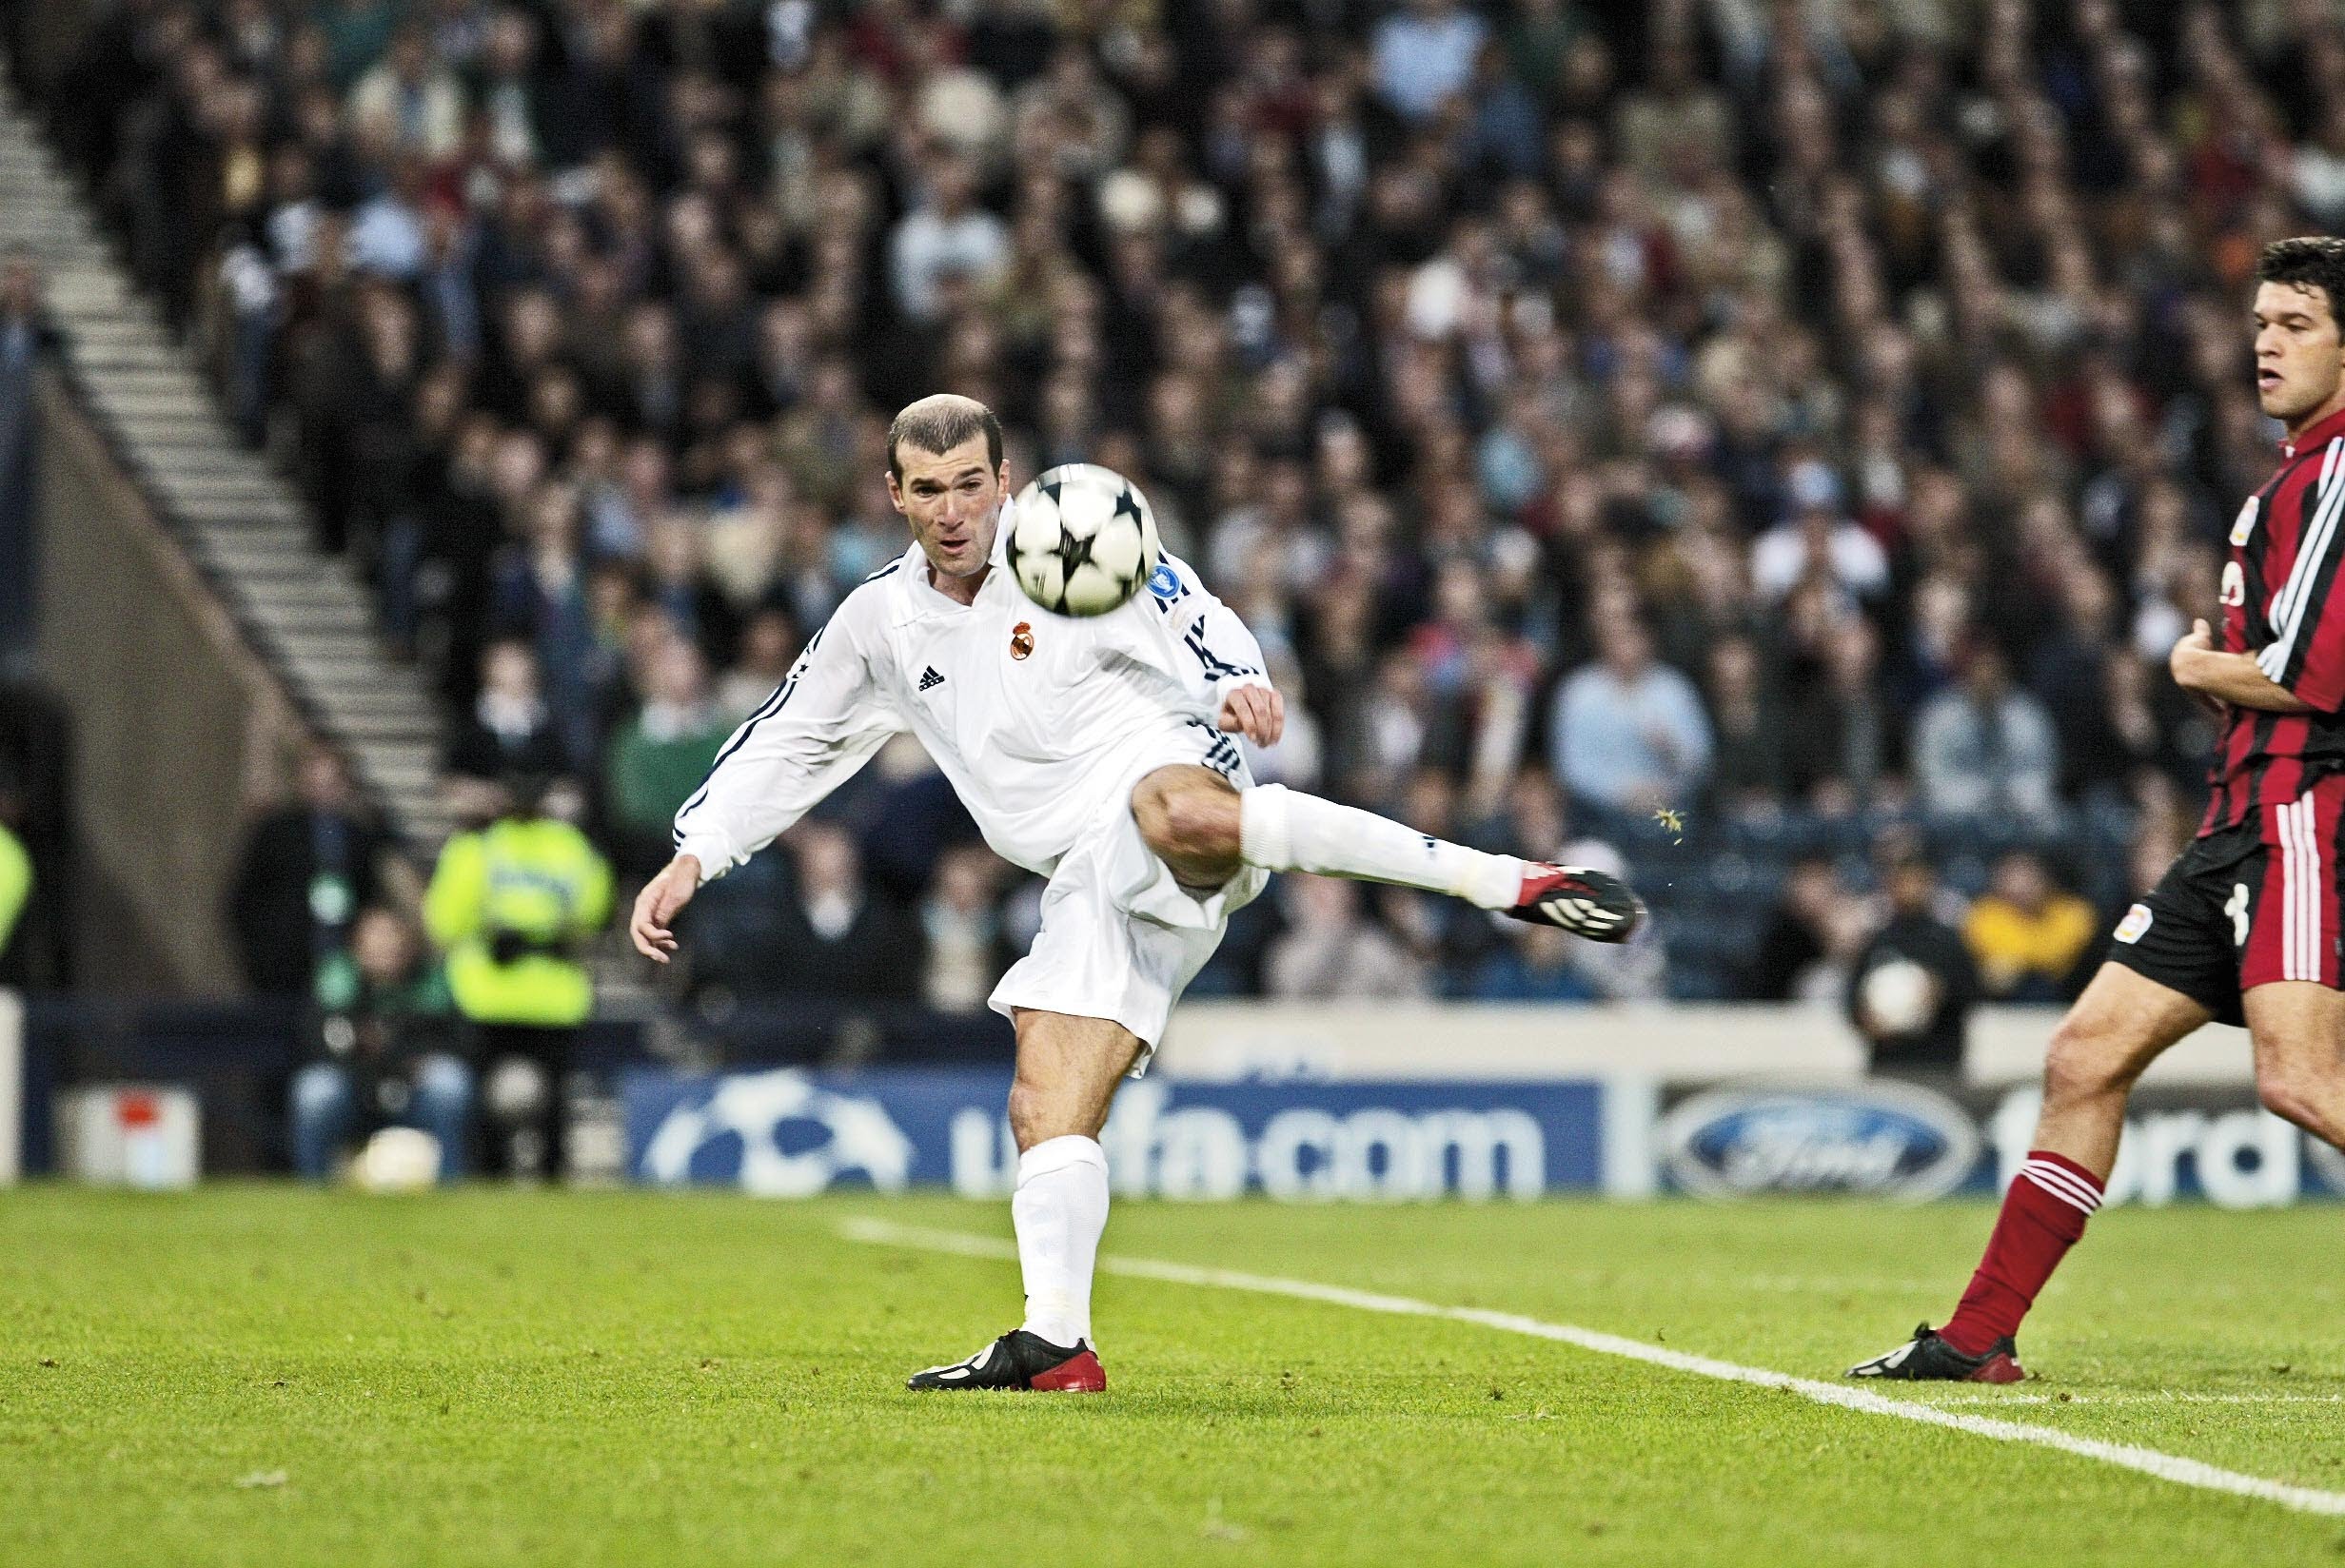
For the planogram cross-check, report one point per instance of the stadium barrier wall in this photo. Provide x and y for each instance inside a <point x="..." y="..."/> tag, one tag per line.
<point x="1395" y="1104"/>
<point x="177" y="724"/>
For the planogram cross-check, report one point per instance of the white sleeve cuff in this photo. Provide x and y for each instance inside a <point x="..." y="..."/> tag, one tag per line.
<point x="711" y="850"/>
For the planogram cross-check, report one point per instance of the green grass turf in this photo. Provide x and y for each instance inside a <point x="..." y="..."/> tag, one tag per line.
<point x="492" y="1377"/>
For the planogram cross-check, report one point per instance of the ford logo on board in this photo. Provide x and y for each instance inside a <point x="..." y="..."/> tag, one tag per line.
<point x="1882" y="1140"/>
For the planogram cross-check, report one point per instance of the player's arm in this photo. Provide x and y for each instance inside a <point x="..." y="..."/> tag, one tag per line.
<point x="2307" y="653"/>
<point x="818" y="727"/>
<point x="2239" y="679"/>
<point x="1210" y="651"/>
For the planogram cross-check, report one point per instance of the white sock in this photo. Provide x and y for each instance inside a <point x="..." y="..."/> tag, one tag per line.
<point x="1283" y="831"/>
<point x="1060" y="1208"/>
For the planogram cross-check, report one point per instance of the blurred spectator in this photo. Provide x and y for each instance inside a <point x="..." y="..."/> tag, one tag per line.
<point x="659" y="758"/>
<point x="511" y="906"/>
<point x="1425" y="53"/>
<point x="1530" y="965"/>
<point x="1817" y="540"/>
<point x="22" y="340"/>
<point x="1749" y="774"/>
<point x="304" y="872"/>
<point x="1808" y="939"/>
<point x="1629" y="731"/>
<point x="1329" y="950"/>
<point x="967" y="949"/>
<point x="769" y="644"/>
<point x="509" y="730"/>
<point x="836" y="937"/>
<point x="945" y="236"/>
<point x="2031" y="941"/>
<point x="1985" y="746"/>
<point x="411" y="97"/>
<point x="385" y="1055"/>
<point x="1912" y="985"/>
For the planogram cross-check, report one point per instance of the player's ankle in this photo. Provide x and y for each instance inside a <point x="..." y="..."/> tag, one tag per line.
<point x="1492" y="881"/>
<point x="1061" y="1329"/>
<point x="1968" y="1335"/>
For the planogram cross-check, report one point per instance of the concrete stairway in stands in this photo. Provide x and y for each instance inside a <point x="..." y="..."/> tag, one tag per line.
<point x="242" y="523"/>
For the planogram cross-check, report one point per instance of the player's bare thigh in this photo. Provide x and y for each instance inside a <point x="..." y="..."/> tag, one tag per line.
<point x="2298" y="1030"/>
<point x="2107" y="1040"/>
<point x="1067" y="1069"/>
<point x="1188" y="814"/>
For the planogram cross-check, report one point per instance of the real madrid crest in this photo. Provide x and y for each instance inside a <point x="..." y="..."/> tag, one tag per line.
<point x="1021" y="641"/>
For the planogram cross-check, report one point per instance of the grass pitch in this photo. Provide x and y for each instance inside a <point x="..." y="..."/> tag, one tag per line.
<point x="264" y="1374"/>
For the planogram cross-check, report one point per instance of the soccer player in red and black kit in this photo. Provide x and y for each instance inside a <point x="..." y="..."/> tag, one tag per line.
<point x="2245" y="927"/>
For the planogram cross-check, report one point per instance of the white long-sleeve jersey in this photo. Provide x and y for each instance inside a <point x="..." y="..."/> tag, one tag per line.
<point x="1035" y="719"/>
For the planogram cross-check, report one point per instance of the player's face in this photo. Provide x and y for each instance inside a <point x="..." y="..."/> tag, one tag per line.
<point x="953" y="502"/>
<point x="2299" y="358"/>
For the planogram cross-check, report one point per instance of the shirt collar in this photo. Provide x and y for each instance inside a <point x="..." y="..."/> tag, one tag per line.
<point x="2326" y="431"/>
<point x="916" y="594"/>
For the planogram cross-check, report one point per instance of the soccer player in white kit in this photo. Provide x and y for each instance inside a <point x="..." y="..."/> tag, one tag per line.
<point x="1096" y="753"/>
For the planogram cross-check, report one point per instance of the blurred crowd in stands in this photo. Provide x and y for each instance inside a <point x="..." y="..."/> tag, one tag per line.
<point x="1738" y="423"/>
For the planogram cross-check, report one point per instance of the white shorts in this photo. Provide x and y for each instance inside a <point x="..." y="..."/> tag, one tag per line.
<point x="1120" y="938"/>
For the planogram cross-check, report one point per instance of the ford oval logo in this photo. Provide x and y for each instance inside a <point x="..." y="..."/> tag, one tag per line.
<point x="1883" y="1140"/>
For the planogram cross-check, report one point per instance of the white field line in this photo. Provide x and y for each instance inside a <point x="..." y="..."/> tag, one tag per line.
<point x="2163" y="1396"/>
<point x="2167" y="1467"/>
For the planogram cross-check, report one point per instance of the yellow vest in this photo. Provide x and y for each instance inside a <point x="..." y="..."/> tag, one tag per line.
<point x="538" y="880"/>
<point x="15" y="883"/>
<point x="2008" y="943"/>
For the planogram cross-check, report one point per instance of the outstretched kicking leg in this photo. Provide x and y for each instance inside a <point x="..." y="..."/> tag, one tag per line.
<point x="2107" y="1040"/>
<point x="1068" y="1068"/>
<point x="1204" y="828"/>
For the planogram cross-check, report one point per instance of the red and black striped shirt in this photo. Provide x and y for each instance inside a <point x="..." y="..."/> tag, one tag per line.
<point x="2285" y="548"/>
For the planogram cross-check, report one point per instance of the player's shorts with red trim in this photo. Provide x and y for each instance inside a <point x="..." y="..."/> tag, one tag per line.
<point x="2246" y="906"/>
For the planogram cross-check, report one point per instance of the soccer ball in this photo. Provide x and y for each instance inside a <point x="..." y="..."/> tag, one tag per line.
<point x="1082" y="539"/>
<point x="1899" y="995"/>
<point x="398" y="1159"/>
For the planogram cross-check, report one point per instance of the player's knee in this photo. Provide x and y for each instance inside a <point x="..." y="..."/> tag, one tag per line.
<point x="2299" y="1093"/>
<point x="2285" y="1098"/>
<point x="1037" y="1115"/>
<point x="2086" y="1061"/>
<point x="1193" y="820"/>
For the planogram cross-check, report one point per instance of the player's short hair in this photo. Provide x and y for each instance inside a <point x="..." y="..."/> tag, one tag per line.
<point x="941" y="423"/>
<point x="2309" y="261"/>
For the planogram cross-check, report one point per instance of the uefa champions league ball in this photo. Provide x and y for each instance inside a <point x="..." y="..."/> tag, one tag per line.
<point x="1900" y="995"/>
<point x="1082" y="539"/>
<point x="398" y="1159"/>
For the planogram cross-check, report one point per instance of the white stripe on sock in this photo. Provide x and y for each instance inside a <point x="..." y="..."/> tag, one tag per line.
<point x="2062" y="1184"/>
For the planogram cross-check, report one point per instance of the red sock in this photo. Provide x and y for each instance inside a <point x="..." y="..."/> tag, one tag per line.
<point x="2043" y="1214"/>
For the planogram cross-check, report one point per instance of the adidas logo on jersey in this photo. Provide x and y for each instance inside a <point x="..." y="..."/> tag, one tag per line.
<point x="930" y="677"/>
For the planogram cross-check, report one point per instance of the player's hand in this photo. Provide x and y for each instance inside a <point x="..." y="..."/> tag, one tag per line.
<point x="2201" y="639"/>
<point x="1255" y="711"/>
<point x="656" y="907"/>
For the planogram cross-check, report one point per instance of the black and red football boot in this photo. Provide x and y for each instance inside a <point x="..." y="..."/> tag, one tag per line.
<point x="1584" y="902"/>
<point x="1927" y="1358"/>
<point x="1020" y="1359"/>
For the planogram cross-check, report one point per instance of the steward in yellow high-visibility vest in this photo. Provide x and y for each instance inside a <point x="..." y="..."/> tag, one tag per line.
<point x="511" y="904"/>
<point x="15" y="883"/>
